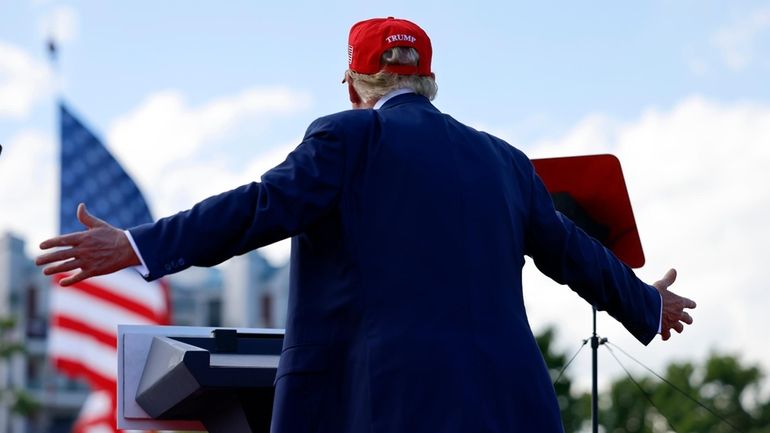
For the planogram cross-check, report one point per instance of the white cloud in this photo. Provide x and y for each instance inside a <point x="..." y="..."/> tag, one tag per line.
<point x="700" y="187"/>
<point x="740" y="43"/>
<point x="24" y="81"/>
<point x="167" y="145"/>
<point x="160" y="143"/>
<point x="28" y="186"/>
<point x="193" y="181"/>
<point x="61" y="23"/>
<point x="593" y="134"/>
<point x="165" y="131"/>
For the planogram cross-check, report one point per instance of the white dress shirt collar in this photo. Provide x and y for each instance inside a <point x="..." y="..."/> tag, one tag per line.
<point x="390" y="95"/>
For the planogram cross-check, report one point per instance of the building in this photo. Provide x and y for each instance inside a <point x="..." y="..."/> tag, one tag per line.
<point x="196" y="297"/>
<point x="255" y="293"/>
<point x="244" y="292"/>
<point x="24" y="299"/>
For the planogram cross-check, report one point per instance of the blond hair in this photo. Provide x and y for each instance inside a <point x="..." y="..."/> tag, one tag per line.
<point x="371" y="87"/>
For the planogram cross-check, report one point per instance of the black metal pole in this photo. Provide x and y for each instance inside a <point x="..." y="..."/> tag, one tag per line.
<point x="594" y="379"/>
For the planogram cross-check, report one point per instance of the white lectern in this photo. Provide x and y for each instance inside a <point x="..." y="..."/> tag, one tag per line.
<point x="192" y="378"/>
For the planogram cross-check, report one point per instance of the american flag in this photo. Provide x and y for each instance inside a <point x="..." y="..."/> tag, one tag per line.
<point x="84" y="317"/>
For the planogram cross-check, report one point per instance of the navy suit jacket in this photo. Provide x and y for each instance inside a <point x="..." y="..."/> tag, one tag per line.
<point x="409" y="231"/>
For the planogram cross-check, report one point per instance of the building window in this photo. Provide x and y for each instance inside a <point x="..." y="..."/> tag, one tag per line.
<point x="267" y="310"/>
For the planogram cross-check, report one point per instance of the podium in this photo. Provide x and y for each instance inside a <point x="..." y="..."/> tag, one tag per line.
<point x="192" y="378"/>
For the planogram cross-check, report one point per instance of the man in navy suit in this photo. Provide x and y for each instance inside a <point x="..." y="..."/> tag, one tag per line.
<point x="409" y="231"/>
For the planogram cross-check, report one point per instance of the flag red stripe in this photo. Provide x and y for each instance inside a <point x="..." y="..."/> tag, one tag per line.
<point x="72" y="324"/>
<point x="165" y="318"/>
<point x="97" y="418"/>
<point x="85" y="426"/>
<point x="77" y="369"/>
<point x="121" y="301"/>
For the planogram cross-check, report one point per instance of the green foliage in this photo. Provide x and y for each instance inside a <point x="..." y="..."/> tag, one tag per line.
<point x="8" y="347"/>
<point x="723" y="383"/>
<point x="629" y="410"/>
<point x="24" y="404"/>
<point x="19" y="401"/>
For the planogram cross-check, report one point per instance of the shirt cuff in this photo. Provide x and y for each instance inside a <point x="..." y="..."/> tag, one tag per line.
<point x="660" y="321"/>
<point x="142" y="269"/>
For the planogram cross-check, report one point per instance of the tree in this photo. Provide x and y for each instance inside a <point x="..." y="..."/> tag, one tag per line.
<point x="724" y="387"/>
<point x="19" y="401"/>
<point x="628" y="410"/>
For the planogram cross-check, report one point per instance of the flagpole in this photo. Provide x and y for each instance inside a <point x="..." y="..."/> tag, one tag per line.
<point x="52" y="50"/>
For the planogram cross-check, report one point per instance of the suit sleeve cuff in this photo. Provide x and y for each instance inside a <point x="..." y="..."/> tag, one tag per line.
<point x="142" y="269"/>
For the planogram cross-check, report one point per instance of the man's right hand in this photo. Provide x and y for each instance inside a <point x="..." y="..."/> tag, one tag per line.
<point x="100" y="249"/>
<point x="674" y="317"/>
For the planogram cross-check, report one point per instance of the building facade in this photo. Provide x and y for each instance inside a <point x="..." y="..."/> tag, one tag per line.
<point x="24" y="300"/>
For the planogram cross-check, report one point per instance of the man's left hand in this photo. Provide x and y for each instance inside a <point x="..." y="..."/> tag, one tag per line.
<point x="674" y="316"/>
<point x="100" y="249"/>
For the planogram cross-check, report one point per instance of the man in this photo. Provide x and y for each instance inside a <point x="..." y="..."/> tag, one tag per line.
<point x="409" y="232"/>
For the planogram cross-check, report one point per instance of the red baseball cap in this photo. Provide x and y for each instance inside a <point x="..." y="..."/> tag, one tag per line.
<point x="370" y="38"/>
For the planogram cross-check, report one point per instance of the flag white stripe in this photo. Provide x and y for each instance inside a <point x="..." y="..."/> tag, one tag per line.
<point x="97" y="406"/>
<point x="101" y="315"/>
<point x="76" y="346"/>
<point x="128" y="283"/>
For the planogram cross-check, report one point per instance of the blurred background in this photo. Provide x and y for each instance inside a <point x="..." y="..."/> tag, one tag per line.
<point x="194" y="98"/>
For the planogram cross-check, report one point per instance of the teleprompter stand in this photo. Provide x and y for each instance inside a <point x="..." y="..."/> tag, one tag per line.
<point x="591" y="191"/>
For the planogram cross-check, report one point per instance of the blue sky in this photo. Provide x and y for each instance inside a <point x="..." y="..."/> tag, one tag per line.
<point x="538" y="66"/>
<point x="198" y="97"/>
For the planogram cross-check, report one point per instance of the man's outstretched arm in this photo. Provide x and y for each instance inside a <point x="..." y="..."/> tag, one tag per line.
<point x="290" y="197"/>
<point x="568" y="255"/>
<point x="100" y="249"/>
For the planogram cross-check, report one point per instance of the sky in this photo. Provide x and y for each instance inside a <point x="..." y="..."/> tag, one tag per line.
<point x="195" y="98"/>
